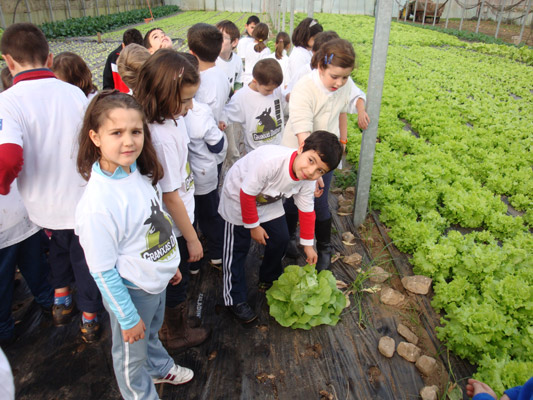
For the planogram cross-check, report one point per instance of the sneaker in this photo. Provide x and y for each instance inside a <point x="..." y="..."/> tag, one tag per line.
<point x="216" y="263"/>
<point x="176" y="376"/>
<point x="90" y="331"/>
<point x="194" y="269"/>
<point x="62" y="314"/>
<point x="244" y="312"/>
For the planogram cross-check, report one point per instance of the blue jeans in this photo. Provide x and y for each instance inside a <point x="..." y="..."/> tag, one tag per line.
<point x="28" y="255"/>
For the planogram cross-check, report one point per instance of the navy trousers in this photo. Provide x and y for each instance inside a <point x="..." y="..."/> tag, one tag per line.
<point x="210" y="222"/>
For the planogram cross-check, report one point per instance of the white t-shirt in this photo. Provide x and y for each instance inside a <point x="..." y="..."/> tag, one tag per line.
<point x="312" y="107"/>
<point x="232" y="68"/>
<point x="243" y="44"/>
<point x="7" y="386"/>
<point x="15" y="225"/>
<point x="203" y="130"/>
<point x="214" y="90"/>
<point x="303" y="70"/>
<point x="284" y="64"/>
<point x="122" y="223"/>
<point x="299" y="57"/>
<point x="171" y="145"/>
<point x="265" y="174"/>
<point x="44" y="117"/>
<point x="261" y="116"/>
<point x="251" y="58"/>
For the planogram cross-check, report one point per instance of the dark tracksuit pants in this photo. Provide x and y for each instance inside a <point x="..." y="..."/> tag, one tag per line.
<point x="210" y="222"/>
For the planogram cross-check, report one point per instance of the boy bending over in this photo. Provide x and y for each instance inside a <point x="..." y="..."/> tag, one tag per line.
<point x="251" y="205"/>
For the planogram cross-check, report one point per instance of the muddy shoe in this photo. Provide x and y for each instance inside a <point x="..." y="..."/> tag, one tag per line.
<point x="62" y="314"/>
<point x="243" y="312"/>
<point x="90" y="331"/>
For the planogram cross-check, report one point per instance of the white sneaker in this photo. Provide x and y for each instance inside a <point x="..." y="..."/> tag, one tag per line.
<point x="176" y="376"/>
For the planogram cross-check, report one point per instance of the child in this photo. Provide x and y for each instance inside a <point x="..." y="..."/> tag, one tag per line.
<point x="206" y="140"/>
<point x="251" y="205"/>
<point x="303" y="38"/>
<point x="481" y="391"/>
<point x="205" y="42"/>
<point x="129" y="63"/>
<point x="165" y="88"/>
<point x="112" y="79"/>
<point x="283" y="45"/>
<point x="256" y="51"/>
<point x="70" y="68"/>
<point x="227" y="60"/>
<point x="258" y="107"/>
<point x="41" y="114"/>
<point x="323" y="89"/>
<point x="127" y="237"/>
<point x="156" y="39"/>
<point x="247" y="37"/>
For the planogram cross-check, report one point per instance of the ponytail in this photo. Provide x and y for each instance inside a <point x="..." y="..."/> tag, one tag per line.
<point x="261" y="35"/>
<point x="282" y="42"/>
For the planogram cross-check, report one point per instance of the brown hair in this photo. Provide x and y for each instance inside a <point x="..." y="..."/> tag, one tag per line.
<point x="268" y="71"/>
<point x="97" y="111"/>
<point x="336" y="52"/>
<point x="283" y="41"/>
<point x="129" y="62"/>
<point x="320" y="39"/>
<point x="305" y="30"/>
<point x="7" y="78"/>
<point x="146" y="39"/>
<point x="70" y="67"/>
<point x="25" y="43"/>
<point x="260" y="34"/>
<point x="131" y="36"/>
<point x="205" y="41"/>
<point x="228" y="27"/>
<point x="159" y="82"/>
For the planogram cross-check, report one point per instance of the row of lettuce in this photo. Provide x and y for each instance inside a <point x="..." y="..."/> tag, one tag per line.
<point x="454" y="143"/>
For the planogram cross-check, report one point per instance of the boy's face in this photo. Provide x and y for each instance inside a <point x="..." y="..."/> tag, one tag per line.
<point x="250" y="28"/>
<point x="266" y="90"/>
<point x="227" y="44"/>
<point x="158" y="40"/>
<point x="308" y="166"/>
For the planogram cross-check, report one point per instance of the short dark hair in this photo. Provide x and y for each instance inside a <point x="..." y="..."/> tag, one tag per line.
<point x="205" y="41"/>
<point x="191" y="58"/>
<point x="268" y="71"/>
<point x="305" y="30"/>
<point x="252" y="19"/>
<point x="327" y="145"/>
<point x="228" y="27"/>
<point x="132" y="36"/>
<point x="336" y="52"/>
<point x="71" y="68"/>
<point x="146" y="40"/>
<point x="320" y="39"/>
<point x="26" y="43"/>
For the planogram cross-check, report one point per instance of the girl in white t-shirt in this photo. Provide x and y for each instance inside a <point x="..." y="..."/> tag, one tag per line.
<point x="255" y="52"/>
<point x="71" y="68"/>
<point x="283" y="45"/>
<point x="303" y="38"/>
<point x="165" y="88"/>
<point x="128" y="241"/>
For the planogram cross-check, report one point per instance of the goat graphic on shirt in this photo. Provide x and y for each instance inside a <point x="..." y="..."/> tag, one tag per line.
<point x="268" y="127"/>
<point x="160" y="241"/>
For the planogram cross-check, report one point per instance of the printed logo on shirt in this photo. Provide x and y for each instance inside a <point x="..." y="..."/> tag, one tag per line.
<point x="264" y="199"/>
<point x="1" y="123"/>
<point x="267" y="127"/>
<point x="189" y="181"/>
<point x="160" y="240"/>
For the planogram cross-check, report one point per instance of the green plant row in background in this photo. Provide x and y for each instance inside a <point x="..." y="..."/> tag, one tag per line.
<point x="472" y="108"/>
<point x="86" y="26"/>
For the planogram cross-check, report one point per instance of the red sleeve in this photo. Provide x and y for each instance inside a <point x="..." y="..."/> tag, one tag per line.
<point x="11" y="161"/>
<point x="307" y="225"/>
<point x="248" y="209"/>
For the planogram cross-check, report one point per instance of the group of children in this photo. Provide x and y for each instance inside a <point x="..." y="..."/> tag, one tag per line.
<point x="121" y="180"/>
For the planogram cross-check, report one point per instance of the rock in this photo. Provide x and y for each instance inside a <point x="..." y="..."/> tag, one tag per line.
<point x="426" y="365"/>
<point x="418" y="284"/>
<point x="353" y="259"/>
<point x="391" y="297"/>
<point x="429" y="392"/>
<point x="386" y="346"/>
<point x="409" y="351"/>
<point x="348" y="238"/>
<point x="346" y="203"/>
<point x="340" y="198"/>
<point x="336" y="190"/>
<point x="349" y="193"/>
<point x="407" y="334"/>
<point x="345" y="210"/>
<point x="378" y="275"/>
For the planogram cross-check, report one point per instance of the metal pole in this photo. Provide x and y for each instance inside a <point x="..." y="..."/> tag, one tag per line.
<point x="310" y="6"/>
<point x="378" y="63"/>
<point x="29" y="11"/>
<point x="292" y="17"/>
<point x="448" y="13"/>
<point x="521" y="29"/>
<point x="51" y="11"/>
<point x="424" y="17"/>
<point x="97" y="9"/>
<point x="414" y="11"/>
<point x="284" y="9"/>
<point x="406" y="10"/>
<point x="108" y="8"/>
<point x="462" y="16"/>
<point x="83" y="7"/>
<point x="499" y="19"/>
<point x="68" y="9"/>
<point x="479" y="16"/>
<point x="2" y="20"/>
<point x="118" y="5"/>
<point x="436" y="11"/>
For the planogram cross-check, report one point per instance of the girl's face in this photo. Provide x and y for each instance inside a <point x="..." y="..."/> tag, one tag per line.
<point x="120" y="139"/>
<point x="311" y="42"/>
<point x="250" y="28"/>
<point x="334" y="77"/>
<point x="187" y="93"/>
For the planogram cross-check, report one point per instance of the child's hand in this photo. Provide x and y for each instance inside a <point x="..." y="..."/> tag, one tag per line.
<point x="310" y="255"/>
<point x="222" y="125"/>
<point x="133" y="334"/>
<point x="319" y="188"/>
<point x="176" y="278"/>
<point x="476" y="387"/>
<point x="259" y="235"/>
<point x="196" y="252"/>
<point x="363" y="120"/>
